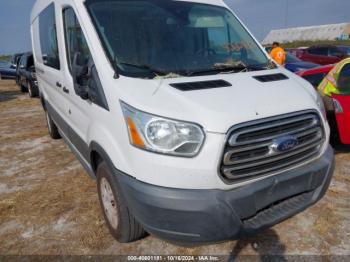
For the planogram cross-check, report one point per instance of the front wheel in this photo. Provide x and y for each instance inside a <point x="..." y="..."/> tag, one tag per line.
<point x="32" y="90"/>
<point x="121" y="223"/>
<point x="51" y="126"/>
<point x="24" y="89"/>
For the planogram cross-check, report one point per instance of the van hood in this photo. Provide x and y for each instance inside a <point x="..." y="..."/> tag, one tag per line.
<point x="218" y="109"/>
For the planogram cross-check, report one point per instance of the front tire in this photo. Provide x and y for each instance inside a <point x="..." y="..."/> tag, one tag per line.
<point x="121" y="223"/>
<point x="23" y="88"/>
<point x="33" y="91"/>
<point x="51" y="126"/>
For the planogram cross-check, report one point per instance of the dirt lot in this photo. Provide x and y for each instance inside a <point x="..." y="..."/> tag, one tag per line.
<point x="49" y="206"/>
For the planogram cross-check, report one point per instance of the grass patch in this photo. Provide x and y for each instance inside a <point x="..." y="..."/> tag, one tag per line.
<point x="5" y="57"/>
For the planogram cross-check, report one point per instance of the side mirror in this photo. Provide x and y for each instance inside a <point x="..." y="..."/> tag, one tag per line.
<point x="81" y="74"/>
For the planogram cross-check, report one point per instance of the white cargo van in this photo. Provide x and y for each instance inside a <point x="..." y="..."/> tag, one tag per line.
<point x="191" y="131"/>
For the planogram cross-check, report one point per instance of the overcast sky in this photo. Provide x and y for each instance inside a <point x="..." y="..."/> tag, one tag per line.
<point x="260" y="16"/>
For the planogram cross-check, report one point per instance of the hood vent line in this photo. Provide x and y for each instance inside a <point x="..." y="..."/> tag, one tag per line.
<point x="271" y="78"/>
<point x="191" y="86"/>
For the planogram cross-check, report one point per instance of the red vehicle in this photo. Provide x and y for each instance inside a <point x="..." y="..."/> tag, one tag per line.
<point x="322" y="55"/>
<point x="315" y="75"/>
<point x="339" y="113"/>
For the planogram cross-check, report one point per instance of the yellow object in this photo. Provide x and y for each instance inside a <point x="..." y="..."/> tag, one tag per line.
<point x="329" y="84"/>
<point x="279" y="55"/>
<point x="134" y="135"/>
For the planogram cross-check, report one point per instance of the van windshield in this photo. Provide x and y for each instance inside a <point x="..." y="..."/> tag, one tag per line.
<point x="163" y="38"/>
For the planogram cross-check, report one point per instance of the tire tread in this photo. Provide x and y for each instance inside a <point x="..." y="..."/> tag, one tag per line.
<point x="129" y="229"/>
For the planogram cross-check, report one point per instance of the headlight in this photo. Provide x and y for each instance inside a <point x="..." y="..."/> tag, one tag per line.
<point x="162" y="135"/>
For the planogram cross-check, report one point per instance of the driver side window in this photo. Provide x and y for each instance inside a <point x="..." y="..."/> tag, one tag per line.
<point x="23" y="62"/>
<point x="87" y="83"/>
<point x="75" y="40"/>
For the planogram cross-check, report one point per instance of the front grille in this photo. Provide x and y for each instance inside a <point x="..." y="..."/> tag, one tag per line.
<point x="252" y="148"/>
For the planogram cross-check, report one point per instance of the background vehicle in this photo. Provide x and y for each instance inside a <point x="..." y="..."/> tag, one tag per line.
<point x="341" y="100"/>
<point x="338" y="109"/>
<point x="4" y="64"/>
<point x="15" y="58"/>
<point x="17" y="68"/>
<point x="26" y="75"/>
<point x="294" y="64"/>
<point x="7" y="70"/>
<point x="315" y="75"/>
<point x="322" y="55"/>
<point x="342" y="115"/>
<point x="345" y="49"/>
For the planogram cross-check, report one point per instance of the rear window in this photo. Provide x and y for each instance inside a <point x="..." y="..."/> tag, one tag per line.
<point x="48" y="37"/>
<point x="316" y="79"/>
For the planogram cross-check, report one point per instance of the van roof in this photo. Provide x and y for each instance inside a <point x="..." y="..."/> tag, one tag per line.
<point x="42" y="4"/>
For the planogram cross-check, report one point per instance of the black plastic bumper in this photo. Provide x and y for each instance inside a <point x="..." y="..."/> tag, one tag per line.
<point x="202" y="216"/>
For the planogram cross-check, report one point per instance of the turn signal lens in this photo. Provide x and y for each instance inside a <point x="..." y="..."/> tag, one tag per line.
<point x="134" y="136"/>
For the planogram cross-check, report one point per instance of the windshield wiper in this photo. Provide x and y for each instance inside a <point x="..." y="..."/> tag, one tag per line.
<point x="268" y="65"/>
<point x="220" y="68"/>
<point x="156" y="72"/>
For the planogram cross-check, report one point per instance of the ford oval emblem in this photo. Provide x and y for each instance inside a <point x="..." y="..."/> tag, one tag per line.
<point x="284" y="144"/>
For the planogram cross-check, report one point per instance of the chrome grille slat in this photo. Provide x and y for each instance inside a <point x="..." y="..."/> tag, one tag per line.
<point x="257" y="154"/>
<point x="264" y="171"/>
<point x="274" y="157"/>
<point x="271" y="137"/>
<point x="228" y="154"/>
<point x="233" y="138"/>
<point x="242" y="149"/>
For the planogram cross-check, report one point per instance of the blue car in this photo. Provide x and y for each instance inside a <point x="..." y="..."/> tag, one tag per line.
<point x="7" y="70"/>
<point x="294" y="64"/>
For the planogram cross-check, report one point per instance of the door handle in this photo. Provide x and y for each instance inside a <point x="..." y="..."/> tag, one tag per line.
<point x="66" y="90"/>
<point x="58" y="84"/>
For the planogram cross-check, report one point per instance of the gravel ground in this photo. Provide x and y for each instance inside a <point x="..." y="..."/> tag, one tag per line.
<point x="49" y="206"/>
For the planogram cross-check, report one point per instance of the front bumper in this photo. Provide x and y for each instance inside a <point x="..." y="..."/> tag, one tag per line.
<point x="203" y="216"/>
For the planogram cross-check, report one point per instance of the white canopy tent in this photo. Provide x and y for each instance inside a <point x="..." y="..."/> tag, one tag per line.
<point x="309" y="33"/>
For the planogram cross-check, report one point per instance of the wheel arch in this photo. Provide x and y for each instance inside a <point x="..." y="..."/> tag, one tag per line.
<point x="42" y="100"/>
<point x="97" y="155"/>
